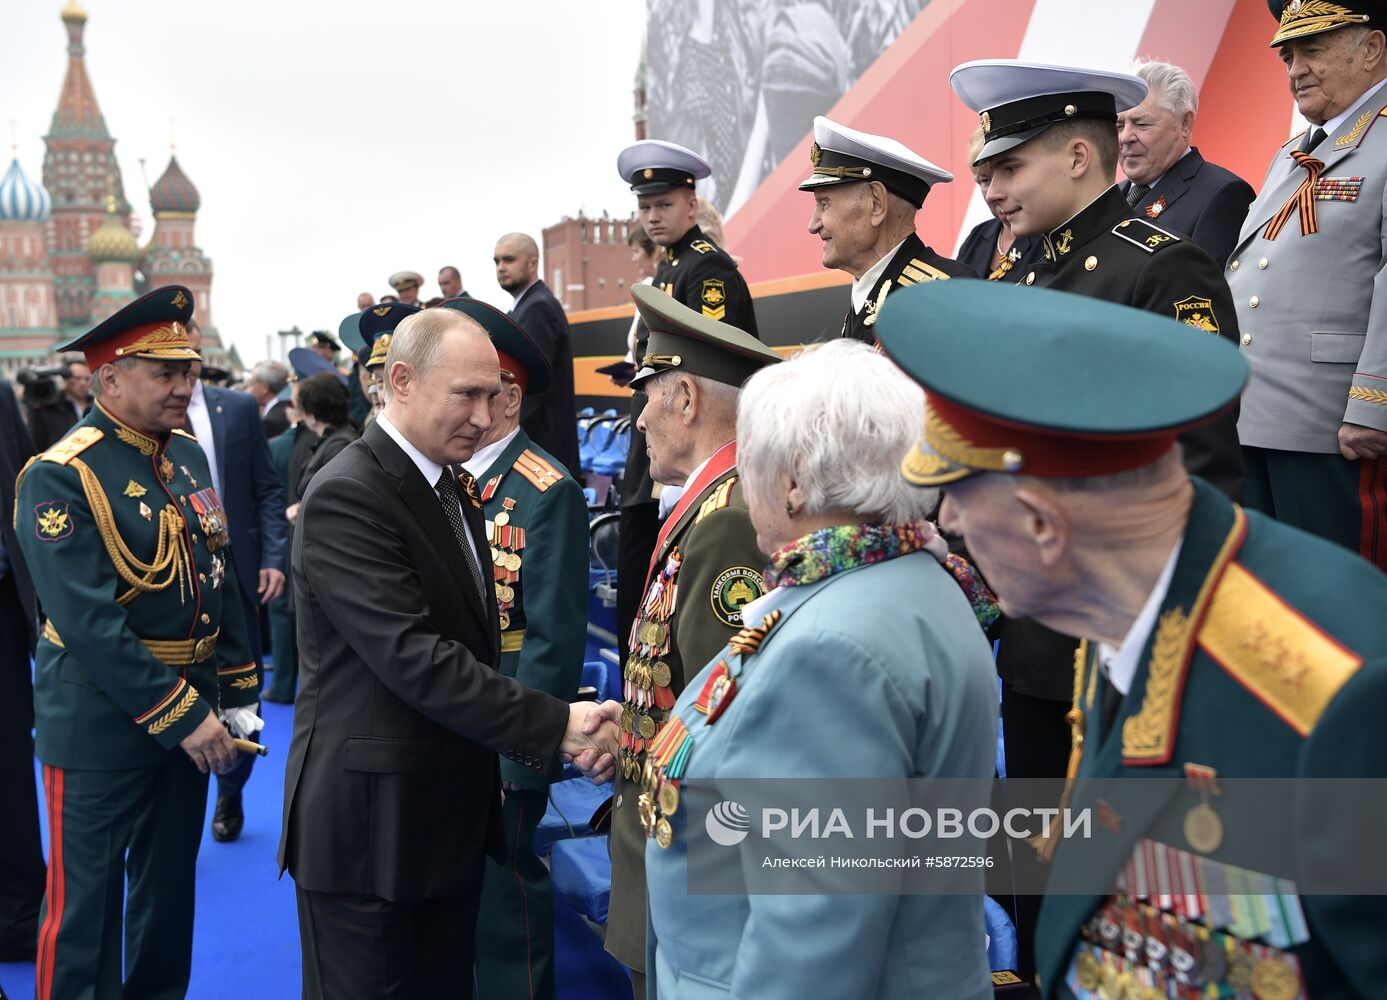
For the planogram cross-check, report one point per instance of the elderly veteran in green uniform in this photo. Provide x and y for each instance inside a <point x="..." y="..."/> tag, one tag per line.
<point x="705" y="567"/>
<point x="864" y="640"/>
<point x="144" y="655"/>
<point x="867" y="189"/>
<point x="1307" y="277"/>
<point x="537" y="520"/>
<point x="1212" y="647"/>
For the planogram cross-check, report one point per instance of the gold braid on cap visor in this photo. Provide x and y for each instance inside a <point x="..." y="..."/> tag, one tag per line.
<point x="948" y="442"/>
<point x="161" y="342"/>
<point x="1310" y="17"/>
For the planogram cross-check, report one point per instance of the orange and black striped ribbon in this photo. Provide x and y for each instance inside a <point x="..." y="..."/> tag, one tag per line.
<point x="1302" y="201"/>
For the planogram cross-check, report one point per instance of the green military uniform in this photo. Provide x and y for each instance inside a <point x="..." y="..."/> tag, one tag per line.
<point x="537" y="523"/>
<point x="1242" y="663"/>
<point x="129" y="550"/>
<point x="705" y="568"/>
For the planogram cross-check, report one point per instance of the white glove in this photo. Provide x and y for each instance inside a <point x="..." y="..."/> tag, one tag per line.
<point x="244" y="722"/>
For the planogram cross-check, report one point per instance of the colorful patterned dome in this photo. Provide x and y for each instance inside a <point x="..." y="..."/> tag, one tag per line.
<point x="113" y="241"/>
<point x="173" y="192"/>
<point x="22" y="200"/>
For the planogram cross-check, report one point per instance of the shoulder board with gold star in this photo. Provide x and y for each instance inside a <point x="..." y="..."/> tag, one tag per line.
<point x="182" y="433"/>
<point x="1141" y="233"/>
<point x="540" y="473"/>
<point x="718" y="499"/>
<point x="703" y="246"/>
<point x="1289" y="665"/>
<point x="917" y="271"/>
<point x="73" y="445"/>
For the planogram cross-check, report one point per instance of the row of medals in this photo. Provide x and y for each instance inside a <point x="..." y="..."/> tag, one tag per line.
<point x="506" y="544"/>
<point x="1138" y="952"/>
<point x="646" y="693"/>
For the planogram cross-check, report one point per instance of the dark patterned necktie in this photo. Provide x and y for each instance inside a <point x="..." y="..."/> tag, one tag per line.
<point x="1313" y="139"/>
<point x="447" y="489"/>
<point x="1137" y="192"/>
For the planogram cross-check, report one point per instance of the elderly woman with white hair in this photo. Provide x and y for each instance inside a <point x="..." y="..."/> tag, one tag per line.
<point x="865" y="661"/>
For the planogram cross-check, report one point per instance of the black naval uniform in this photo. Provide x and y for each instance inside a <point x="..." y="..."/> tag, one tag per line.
<point x="912" y="264"/>
<point x="703" y="276"/>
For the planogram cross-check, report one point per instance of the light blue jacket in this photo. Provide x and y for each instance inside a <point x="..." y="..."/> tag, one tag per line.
<point x="878" y="672"/>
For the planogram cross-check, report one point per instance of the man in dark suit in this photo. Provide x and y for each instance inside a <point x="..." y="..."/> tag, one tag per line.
<point x="1167" y="179"/>
<point x="392" y="797"/>
<point x="548" y="419"/>
<point x="22" y="870"/>
<point x="228" y="427"/>
<point x="48" y="423"/>
<point x="267" y="381"/>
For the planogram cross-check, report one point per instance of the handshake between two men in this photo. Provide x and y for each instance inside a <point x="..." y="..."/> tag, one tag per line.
<point x="590" y="741"/>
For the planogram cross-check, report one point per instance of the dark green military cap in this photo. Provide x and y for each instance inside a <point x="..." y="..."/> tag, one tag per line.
<point x="684" y="340"/>
<point x="1046" y="383"/>
<point x="522" y="362"/>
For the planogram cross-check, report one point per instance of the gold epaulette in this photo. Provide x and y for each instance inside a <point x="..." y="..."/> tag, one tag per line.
<point x="182" y="433"/>
<point x="540" y="473"/>
<point x="718" y="499"/>
<point x="1285" y="660"/>
<point x="917" y="271"/>
<point x="703" y="246"/>
<point x="1141" y="233"/>
<point x="73" y="445"/>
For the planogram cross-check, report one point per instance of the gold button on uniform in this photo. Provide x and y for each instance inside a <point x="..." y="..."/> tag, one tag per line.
<point x="206" y="618"/>
<point x="1247" y="339"/>
<point x="202" y="578"/>
<point x="1090" y="263"/>
<point x="1232" y="265"/>
<point x="1262" y="263"/>
<point x="1030" y="278"/>
<point x="1254" y="302"/>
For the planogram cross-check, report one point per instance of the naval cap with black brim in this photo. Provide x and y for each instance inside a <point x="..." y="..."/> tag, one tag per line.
<point x="321" y="338"/>
<point x="1016" y="100"/>
<point x="153" y="327"/>
<point x="1303" y="18"/>
<point x="653" y="166"/>
<point x="684" y="340"/>
<point x="1072" y="386"/>
<point x="522" y="362"/>
<point x="842" y="155"/>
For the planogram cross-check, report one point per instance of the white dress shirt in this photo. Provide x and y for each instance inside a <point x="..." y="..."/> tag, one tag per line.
<point x="201" y="422"/>
<point x="1120" y="664"/>
<point x="670" y="495"/>
<point x="862" y="287"/>
<point x="427" y="467"/>
<point x="482" y="458"/>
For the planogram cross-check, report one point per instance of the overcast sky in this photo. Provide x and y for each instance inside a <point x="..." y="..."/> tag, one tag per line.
<point x="336" y="143"/>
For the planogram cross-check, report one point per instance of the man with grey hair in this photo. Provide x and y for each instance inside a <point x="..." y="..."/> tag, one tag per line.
<point x="1167" y="179"/>
<point x="1306" y="275"/>
<point x="268" y="379"/>
<point x="704" y="570"/>
<point x="392" y="791"/>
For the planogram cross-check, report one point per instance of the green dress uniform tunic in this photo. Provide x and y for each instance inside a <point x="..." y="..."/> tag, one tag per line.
<point x="128" y="545"/>
<point x="537" y="520"/>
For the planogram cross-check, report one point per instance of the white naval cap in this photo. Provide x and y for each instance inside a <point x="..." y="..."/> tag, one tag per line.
<point x="1019" y="100"/>
<point x="654" y="166"/>
<point x="843" y="155"/>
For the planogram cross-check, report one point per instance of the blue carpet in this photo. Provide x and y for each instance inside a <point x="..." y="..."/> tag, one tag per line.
<point x="246" y="936"/>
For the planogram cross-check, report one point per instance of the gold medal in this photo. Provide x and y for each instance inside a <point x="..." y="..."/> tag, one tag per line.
<point x="512" y="561"/>
<point x="166" y="469"/>
<point x="495" y="555"/>
<point x="1274" y="980"/>
<point x="1088" y="970"/>
<point x="505" y="593"/>
<point x="626" y="720"/>
<point x="645" y="810"/>
<point x="648" y="773"/>
<point x="669" y="799"/>
<point x="664" y="833"/>
<point x="502" y="518"/>
<point x="1240" y="971"/>
<point x="659" y="673"/>
<point x="1152" y="993"/>
<point x="1203" y="828"/>
<point x="647" y="727"/>
<point x="505" y="620"/>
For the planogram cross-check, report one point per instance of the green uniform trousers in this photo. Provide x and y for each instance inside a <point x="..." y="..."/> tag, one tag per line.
<point x="285" y="651"/>
<point x="515" y="934"/>
<point x="94" y="818"/>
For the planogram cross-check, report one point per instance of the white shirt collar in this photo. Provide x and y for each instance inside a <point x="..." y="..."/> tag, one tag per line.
<point x="269" y="405"/>
<point x="516" y="301"/>
<point x="1121" y="664"/>
<point x="483" y="457"/>
<point x="427" y="467"/>
<point x="862" y="287"/>
<point x="754" y="611"/>
<point x="1333" y="125"/>
<point x="669" y="496"/>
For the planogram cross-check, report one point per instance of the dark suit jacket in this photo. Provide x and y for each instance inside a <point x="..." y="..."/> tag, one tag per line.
<point x="16" y="448"/>
<point x="326" y="448"/>
<point x="978" y="248"/>
<point x="276" y="419"/>
<point x="392" y="786"/>
<point x="550" y="418"/>
<point x="48" y="424"/>
<point x="251" y="492"/>
<point x="1202" y="201"/>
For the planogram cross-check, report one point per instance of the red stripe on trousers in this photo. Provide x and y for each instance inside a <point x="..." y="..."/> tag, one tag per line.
<point x="1372" y="499"/>
<point x="48" y="936"/>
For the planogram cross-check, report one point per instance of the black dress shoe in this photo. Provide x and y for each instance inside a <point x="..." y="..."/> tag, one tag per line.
<point x="228" y="819"/>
